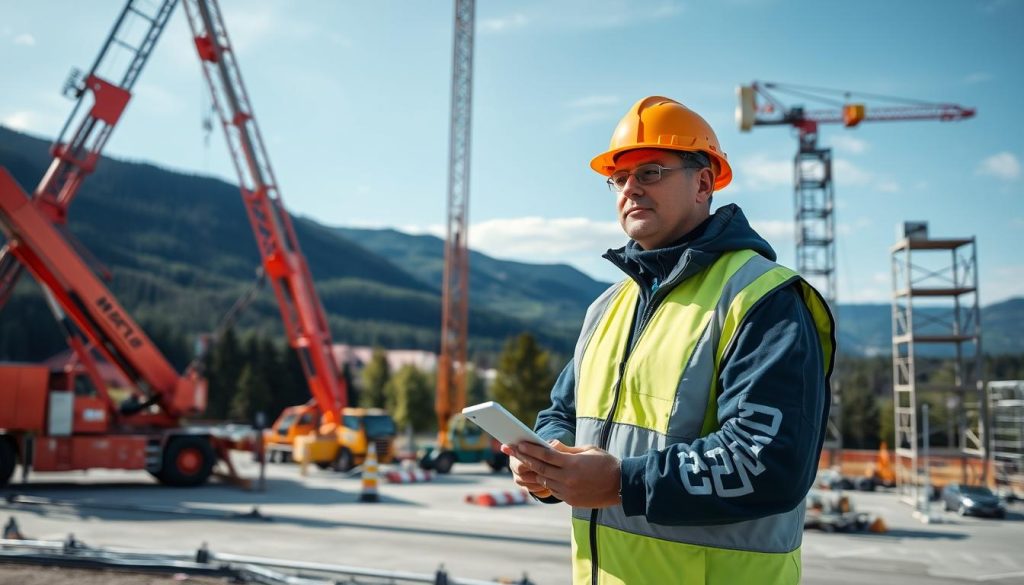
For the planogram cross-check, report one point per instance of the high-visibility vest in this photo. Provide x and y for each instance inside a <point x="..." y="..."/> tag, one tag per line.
<point x="666" y="395"/>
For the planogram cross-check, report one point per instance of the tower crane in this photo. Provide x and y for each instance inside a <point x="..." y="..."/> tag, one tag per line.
<point x="458" y="440"/>
<point x="451" y="368"/>
<point x="813" y="195"/>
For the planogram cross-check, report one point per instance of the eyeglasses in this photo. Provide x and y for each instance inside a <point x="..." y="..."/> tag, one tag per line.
<point x="647" y="174"/>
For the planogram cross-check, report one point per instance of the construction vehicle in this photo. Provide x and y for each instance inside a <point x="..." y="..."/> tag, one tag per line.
<point x="69" y="419"/>
<point x="466" y="443"/>
<point x="96" y="320"/>
<point x="359" y="427"/>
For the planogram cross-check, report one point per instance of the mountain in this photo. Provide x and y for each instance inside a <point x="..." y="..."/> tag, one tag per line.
<point x="866" y="329"/>
<point x="181" y="252"/>
<point x="550" y="293"/>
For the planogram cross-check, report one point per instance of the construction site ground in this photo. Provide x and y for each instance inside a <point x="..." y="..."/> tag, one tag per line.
<point x="419" y="527"/>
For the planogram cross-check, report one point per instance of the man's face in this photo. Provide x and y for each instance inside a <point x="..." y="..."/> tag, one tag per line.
<point x="655" y="215"/>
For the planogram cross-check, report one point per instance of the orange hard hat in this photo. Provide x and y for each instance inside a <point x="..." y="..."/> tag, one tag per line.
<point x="663" y="123"/>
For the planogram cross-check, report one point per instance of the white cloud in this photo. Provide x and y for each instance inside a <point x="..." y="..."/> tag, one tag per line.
<point x="1008" y="283"/>
<point x="576" y="241"/>
<point x="22" y="120"/>
<point x="543" y="238"/>
<point x="504" y="23"/>
<point x="155" y="98"/>
<point x="761" y="173"/>
<point x="889" y="186"/>
<point x="25" y="39"/>
<point x="847" y="173"/>
<point x="977" y="77"/>
<point x="774" y="229"/>
<point x="849" y="144"/>
<point x="1003" y="165"/>
<point x="594" y="101"/>
<point x="591" y="109"/>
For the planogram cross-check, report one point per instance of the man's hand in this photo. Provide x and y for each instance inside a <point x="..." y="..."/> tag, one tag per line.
<point x="523" y="476"/>
<point x="585" y="477"/>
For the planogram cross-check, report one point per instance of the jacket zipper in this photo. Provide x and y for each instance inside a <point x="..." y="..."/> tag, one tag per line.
<point x="634" y="334"/>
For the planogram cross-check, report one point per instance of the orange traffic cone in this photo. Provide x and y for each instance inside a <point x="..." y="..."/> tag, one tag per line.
<point x="370" y="473"/>
<point x="878" y="526"/>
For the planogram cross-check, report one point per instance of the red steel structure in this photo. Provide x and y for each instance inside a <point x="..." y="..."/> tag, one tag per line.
<point x="452" y="362"/>
<point x="149" y="431"/>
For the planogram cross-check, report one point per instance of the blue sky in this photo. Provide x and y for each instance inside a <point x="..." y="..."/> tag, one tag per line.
<point x="353" y="99"/>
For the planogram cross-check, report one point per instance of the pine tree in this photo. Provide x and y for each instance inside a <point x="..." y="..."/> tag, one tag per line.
<point x="524" y="380"/>
<point x="223" y="372"/>
<point x="251" y="396"/>
<point x="413" y="398"/>
<point x="375" y="379"/>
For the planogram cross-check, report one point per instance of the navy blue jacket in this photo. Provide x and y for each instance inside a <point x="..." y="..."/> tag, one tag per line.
<point x="776" y="361"/>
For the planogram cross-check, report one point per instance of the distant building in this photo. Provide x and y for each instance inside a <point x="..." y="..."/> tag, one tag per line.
<point x="356" y="357"/>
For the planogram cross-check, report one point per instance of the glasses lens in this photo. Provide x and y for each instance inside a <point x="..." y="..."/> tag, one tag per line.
<point x="647" y="174"/>
<point x="618" y="180"/>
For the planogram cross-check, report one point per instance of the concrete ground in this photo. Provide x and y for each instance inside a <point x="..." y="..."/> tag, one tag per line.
<point x="421" y="527"/>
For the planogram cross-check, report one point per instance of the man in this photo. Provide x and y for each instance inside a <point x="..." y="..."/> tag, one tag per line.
<point x="688" y="425"/>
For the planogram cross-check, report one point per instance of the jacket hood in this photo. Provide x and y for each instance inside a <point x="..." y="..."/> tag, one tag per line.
<point x="724" y="231"/>
<point x="728" y="230"/>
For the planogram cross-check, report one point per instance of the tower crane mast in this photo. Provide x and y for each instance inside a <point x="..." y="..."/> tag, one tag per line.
<point x="813" y="194"/>
<point x="452" y="365"/>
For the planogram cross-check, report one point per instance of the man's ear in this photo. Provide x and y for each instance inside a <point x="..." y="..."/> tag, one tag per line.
<point x="706" y="185"/>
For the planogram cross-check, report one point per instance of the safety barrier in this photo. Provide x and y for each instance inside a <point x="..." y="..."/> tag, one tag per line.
<point x="499" y="498"/>
<point x="409" y="476"/>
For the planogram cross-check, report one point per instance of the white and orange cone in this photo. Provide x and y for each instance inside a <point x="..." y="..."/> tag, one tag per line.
<point x="370" y="476"/>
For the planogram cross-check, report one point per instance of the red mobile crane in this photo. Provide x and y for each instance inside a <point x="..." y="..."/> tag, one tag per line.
<point x="813" y="197"/>
<point x="71" y="286"/>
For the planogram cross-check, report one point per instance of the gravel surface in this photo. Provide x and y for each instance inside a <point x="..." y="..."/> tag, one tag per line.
<point x="35" y="575"/>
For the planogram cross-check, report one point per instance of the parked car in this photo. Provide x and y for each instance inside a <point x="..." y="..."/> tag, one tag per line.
<point x="972" y="499"/>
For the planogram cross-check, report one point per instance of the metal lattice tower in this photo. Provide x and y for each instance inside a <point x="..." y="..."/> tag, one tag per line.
<point x="451" y="371"/>
<point x="935" y="303"/>
<point x="1006" y="401"/>
<point x="813" y="204"/>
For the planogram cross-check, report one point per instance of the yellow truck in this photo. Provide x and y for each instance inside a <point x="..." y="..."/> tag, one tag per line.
<point x="341" y="448"/>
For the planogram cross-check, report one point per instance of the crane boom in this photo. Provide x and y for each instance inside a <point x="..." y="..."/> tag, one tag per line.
<point x="305" y="321"/>
<point x="813" y="195"/>
<point x="452" y="363"/>
<point x="37" y="244"/>
<point x="80" y="143"/>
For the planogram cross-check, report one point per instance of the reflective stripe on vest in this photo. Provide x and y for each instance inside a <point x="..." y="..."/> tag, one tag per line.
<point x="666" y="396"/>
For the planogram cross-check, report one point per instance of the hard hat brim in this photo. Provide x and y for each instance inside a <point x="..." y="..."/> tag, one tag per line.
<point x="604" y="163"/>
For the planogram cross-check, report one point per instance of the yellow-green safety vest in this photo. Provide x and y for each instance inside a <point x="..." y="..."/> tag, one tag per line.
<point x="666" y="396"/>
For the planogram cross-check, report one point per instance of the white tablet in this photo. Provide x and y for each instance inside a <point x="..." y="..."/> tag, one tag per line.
<point x="502" y="424"/>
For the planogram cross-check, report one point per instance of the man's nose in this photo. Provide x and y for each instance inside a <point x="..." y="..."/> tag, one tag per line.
<point x="632" y="188"/>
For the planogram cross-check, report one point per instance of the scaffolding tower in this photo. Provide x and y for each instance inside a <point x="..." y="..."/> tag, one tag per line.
<point x="814" y="205"/>
<point x="936" y="354"/>
<point x="1006" y="403"/>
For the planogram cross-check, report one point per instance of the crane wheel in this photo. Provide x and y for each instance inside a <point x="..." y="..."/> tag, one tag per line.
<point x="188" y="461"/>
<point x="444" y="462"/>
<point x="8" y="459"/>
<point x="344" y="461"/>
<point x="498" y="462"/>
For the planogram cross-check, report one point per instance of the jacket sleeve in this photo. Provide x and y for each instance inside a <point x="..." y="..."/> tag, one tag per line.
<point x="558" y="421"/>
<point x="772" y="410"/>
